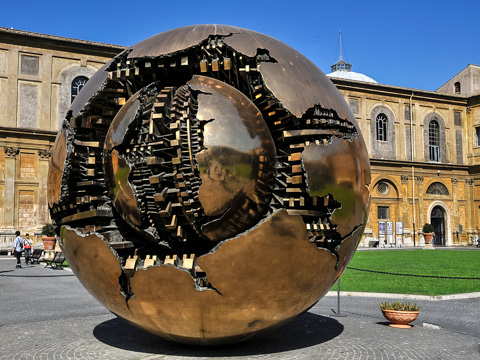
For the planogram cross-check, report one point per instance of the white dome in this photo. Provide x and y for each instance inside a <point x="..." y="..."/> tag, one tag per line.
<point x="351" y="75"/>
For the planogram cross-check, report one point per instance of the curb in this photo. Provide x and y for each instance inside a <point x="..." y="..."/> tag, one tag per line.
<point x="474" y="295"/>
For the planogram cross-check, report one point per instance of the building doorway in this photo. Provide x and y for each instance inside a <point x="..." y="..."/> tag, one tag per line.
<point x="438" y="221"/>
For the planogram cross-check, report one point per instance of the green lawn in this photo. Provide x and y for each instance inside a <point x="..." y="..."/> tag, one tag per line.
<point x="446" y="263"/>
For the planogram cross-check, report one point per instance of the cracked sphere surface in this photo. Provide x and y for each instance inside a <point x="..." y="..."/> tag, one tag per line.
<point x="208" y="184"/>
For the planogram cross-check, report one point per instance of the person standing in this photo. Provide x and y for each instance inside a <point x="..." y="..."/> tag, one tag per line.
<point x="18" y="248"/>
<point x="28" y="247"/>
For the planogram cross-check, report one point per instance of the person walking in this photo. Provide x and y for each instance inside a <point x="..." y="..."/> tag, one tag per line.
<point x="18" y="248"/>
<point x="28" y="247"/>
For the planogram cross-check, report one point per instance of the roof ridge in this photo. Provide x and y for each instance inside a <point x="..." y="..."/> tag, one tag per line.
<point x="56" y="37"/>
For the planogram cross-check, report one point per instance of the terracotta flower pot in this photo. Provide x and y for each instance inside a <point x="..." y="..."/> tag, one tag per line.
<point x="49" y="242"/>
<point x="400" y="319"/>
<point x="428" y="237"/>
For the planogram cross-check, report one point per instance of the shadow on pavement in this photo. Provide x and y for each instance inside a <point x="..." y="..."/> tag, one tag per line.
<point x="308" y="330"/>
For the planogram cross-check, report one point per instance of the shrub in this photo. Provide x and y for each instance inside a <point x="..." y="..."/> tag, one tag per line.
<point x="428" y="228"/>
<point x="48" y="230"/>
<point x="399" y="306"/>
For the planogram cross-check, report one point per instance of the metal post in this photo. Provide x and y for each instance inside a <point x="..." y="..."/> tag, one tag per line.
<point x="337" y="313"/>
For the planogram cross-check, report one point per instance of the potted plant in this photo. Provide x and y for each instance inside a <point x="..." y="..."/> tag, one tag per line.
<point x="428" y="233"/>
<point x="49" y="239"/>
<point x="400" y="314"/>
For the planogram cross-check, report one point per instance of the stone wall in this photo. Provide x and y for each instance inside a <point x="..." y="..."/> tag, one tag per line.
<point x="392" y="165"/>
<point x="36" y="73"/>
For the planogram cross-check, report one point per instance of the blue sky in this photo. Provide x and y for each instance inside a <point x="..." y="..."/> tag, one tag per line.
<point x="417" y="44"/>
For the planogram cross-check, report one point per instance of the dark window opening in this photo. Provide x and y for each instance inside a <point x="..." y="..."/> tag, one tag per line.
<point x="434" y="140"/>
<point x="457" y="87"/>
<point x="383" y="213"/>
<point x="382" y="127"/>
<point x="77" y="84"/>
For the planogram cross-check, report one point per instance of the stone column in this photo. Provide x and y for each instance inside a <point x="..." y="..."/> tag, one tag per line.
<point x="469" y="221"/>
<point x="421" y="217"/>
<point x="407" y="234"/>
<point x="7" y="234"/>
<point x="455" y="219"/>
<point x="404" y="198"/>
<point x="11" y="154"/>
<point x="43" y="216"/>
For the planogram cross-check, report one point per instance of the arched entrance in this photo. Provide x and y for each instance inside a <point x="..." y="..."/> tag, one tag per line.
<point x="437" y="219"/>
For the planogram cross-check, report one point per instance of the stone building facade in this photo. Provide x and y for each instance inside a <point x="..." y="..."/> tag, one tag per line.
<point x="424" y="146"/>
<point x="39" y="77"/>
<point x="424" y="151"/>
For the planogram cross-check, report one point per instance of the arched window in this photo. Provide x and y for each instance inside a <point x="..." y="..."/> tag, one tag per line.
<point x="382" y="127"/>
<point x="77" y="85"/>
<point x="437" y="188"/>
<point x="434" y="140"/>
<point x="457" y="87"/>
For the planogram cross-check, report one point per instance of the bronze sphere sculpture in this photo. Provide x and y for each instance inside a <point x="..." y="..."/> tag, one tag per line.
<point x="208" y="184"/>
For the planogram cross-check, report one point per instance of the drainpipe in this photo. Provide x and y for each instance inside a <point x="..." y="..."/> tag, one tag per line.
<point x="412" y="148"/>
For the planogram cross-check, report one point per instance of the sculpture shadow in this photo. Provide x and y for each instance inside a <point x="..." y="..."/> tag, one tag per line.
<point x="308" y="330"/>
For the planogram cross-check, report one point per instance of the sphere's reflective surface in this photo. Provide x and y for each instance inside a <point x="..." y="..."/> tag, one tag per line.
<point x="208" y="184"/>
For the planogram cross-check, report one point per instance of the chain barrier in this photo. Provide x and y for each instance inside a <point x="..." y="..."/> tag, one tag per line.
<point x="351" y="268"/>
<point x="414" y="275"/>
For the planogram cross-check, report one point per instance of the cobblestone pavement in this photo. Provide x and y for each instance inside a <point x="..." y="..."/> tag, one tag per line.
<point x="77" y="327"/>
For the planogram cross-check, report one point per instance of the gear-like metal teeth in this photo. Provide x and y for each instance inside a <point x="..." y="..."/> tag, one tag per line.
<point x="167" y="190"/>
<point x="291" y="136"/>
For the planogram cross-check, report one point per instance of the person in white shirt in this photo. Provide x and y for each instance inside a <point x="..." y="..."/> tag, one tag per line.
<point x="27" y="247"/>
<point x="18" y="248"/>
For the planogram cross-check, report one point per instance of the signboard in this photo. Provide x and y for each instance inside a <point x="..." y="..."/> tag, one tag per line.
<point x="389" y="228"/>
<point x="381" y="228"/>
<point x="399" y="228"/>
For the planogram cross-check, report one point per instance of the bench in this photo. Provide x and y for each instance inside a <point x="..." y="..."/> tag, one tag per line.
<point x="56" y="262"/>
<point x="35" y="256"/>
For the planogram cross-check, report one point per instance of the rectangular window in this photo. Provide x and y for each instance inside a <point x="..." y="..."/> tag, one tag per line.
<point x="457" y="118"/>
<point x="477" y="133"/>
<point x="383" y="213"/>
